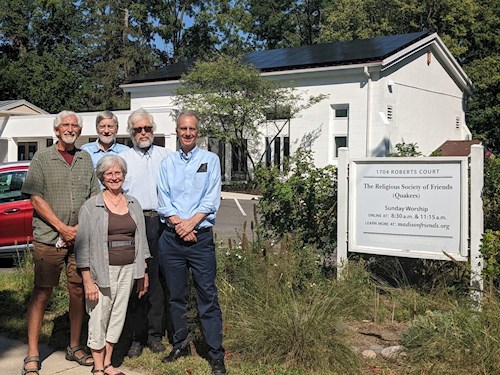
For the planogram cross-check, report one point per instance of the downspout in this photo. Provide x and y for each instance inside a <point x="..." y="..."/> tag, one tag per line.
<point x="368" y="109"/>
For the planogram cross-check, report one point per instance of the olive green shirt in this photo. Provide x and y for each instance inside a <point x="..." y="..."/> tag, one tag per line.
<point x="65" y="188"/>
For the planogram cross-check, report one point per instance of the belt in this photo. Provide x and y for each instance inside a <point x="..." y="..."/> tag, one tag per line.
<point x="120" y="243"/>
<point x="198" y="231"/>
<point x="150" y="213"/>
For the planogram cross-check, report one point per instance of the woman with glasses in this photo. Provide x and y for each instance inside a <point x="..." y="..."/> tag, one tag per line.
<point x="111" y="250"/>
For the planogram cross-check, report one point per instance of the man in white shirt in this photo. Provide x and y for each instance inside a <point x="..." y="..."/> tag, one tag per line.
<point x="145" y="317"/>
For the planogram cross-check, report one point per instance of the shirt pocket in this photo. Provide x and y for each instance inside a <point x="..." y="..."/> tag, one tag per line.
<point x="200" y="179"/>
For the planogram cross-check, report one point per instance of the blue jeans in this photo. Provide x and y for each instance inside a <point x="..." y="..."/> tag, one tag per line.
<point x="177" y="258"/>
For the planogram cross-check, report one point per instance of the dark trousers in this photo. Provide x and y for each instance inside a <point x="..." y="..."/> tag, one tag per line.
<point x="177" y="257"/>
<point x="146" y="316"/>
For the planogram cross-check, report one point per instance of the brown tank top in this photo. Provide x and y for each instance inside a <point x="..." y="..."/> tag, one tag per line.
<point x="121" y="234"/>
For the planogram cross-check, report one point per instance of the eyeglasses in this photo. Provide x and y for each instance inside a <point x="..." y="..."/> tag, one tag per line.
<point x="67" y="126"/>
<point x="112" y="174"/>
<point x="110" y="127"/>
<point x="147" y="129"/>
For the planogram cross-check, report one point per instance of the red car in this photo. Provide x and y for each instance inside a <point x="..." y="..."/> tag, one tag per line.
<point x="16" y="211"/>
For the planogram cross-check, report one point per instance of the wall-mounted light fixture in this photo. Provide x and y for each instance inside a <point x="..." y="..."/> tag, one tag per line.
<point x="390" y="85"/>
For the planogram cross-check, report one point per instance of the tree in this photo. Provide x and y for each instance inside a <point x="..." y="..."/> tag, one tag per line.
<point x="199" y="28"/>
<point x="353" y="19"/>
<point x="121" y="37"/>
<point x="235" y="102"/>
<point x="483" y="112"/>
<point x="43" y="46"/>
<point x="284" y="23"/>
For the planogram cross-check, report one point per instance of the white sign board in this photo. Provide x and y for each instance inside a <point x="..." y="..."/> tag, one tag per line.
<point x="412" y="207"/>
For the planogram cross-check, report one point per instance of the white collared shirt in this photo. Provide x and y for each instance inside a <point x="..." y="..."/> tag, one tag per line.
<point x="142" y="172"/>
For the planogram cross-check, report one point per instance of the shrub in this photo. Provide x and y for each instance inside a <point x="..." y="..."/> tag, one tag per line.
<point x="491" y="194"/>
<point x="406" y="149"/>
<point x="302" y="201"/>
<point x="490" y="249"/>
<point x="459" y="341"/>
<point x="490" y="246"/>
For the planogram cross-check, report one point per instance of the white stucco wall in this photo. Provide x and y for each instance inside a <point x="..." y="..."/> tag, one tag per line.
<point x="39" y="128"/>
<point x="425" y="99"/>
<point x="426" y="102"/>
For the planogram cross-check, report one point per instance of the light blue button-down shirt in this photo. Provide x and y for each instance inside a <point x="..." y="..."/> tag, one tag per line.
<point x="142" y="170"/>
<point x="97" y="153"/>
<point x="190" y="184"/>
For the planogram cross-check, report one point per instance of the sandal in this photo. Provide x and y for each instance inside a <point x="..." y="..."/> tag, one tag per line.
<point x="108" y="366"/>
<point x="71" y="356"/>
<point x="95" y="371"/>
<point x="29" y="369"/>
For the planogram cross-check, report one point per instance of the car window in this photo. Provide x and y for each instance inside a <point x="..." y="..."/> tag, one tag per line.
<point x="10" y="186"/>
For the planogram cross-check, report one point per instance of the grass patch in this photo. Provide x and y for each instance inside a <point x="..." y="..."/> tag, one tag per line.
<point x="15" y="292"/>
<point x="458" y="341"/>
<point x="283" y="316"/>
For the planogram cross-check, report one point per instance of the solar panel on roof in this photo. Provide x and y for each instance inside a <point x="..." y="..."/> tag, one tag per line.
<point x="330" y="54"/>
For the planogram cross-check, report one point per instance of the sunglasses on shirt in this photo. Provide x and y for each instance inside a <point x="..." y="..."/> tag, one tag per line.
<point x="147" y="129"/>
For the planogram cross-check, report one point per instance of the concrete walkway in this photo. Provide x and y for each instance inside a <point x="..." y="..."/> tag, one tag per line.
<point x="12" y="354"/>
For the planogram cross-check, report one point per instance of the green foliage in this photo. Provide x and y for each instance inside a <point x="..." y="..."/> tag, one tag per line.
<point x="283" y="327"/>
<point x="490" y="246"/>
<point x="490" y="249"/>
<point x="302" y="201"/>
<point x="406" y="149"/>
<point x="483" y="112"/>
<point x="284" y="315"/>
<point x="459" y="341"/>
<point x="491" y="194"/>
<point x="284" y="23"/>
<point x="72" y="55"/>
<point x="357" y="19"/>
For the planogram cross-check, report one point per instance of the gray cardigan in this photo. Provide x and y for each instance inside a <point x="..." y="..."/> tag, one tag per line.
<point x="91" y="244"/>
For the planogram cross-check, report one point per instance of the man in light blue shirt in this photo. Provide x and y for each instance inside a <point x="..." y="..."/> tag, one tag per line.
<point x="189" y="186"/>
<point x="106" y="125"/>
<point x="146" y="316"/>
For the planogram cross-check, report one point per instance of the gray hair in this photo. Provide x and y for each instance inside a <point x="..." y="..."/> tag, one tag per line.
<point x="188" y="113"/>
<point x="63" y="114"/>
<point x="107" y="162"/>
<point x="137" y="115"/>
<point x="106" y="115"/>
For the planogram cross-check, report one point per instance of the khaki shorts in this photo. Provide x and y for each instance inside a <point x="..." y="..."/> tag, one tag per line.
<point x="49" y="262"/>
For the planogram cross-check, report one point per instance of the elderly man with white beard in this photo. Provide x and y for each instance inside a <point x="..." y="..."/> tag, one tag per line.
<point x="59" y="180"/>
<point x="145" y="317"/>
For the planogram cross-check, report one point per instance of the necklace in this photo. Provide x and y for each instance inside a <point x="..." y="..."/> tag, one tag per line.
<point x="117" y="202"/>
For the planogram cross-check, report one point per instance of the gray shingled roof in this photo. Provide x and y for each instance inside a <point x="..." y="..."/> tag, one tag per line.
<point x="317" y="55"/>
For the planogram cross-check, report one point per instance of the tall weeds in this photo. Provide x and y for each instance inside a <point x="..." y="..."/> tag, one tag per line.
<point x="459" y="341"/>
<point x="280" y="310"/>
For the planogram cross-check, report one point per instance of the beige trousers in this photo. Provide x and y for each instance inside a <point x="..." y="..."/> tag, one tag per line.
<point x="107" y="315"/>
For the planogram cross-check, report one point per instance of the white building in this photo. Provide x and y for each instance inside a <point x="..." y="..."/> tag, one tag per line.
<point x="380" y="92"/>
